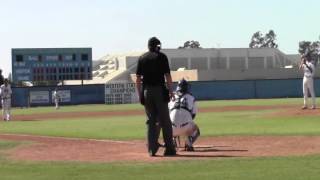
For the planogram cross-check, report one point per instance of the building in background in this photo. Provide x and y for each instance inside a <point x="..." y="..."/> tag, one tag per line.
<point x="204" y="64"/>
<point x="51" y="65"/>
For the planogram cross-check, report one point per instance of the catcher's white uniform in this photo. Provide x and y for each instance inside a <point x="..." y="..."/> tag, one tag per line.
<point x="56" y="98"/>
<point x="5" y="92"/>
<point x="309" y="71"/>
<point x="182" y="110"/>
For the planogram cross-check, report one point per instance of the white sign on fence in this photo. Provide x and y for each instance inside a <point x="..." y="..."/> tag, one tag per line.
<point x="39" y="97"/>
<point x="120" y="93"/>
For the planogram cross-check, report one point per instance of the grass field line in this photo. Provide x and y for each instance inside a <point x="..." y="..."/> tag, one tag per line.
<point x="68" y="138"/>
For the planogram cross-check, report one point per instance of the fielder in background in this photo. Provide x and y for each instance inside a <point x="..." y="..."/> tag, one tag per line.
<point x="183" y="110"/>
<point x="309" y="70"/>
<point x="56" y="98"/>
<point x="1" y="80"/>
<point x="5" y="92"/>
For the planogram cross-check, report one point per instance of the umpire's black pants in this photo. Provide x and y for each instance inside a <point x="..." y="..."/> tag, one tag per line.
<point x="157" y="115"/>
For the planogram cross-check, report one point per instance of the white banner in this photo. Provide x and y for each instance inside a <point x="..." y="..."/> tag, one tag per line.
<point x="120" y="93"/>
<point x="37" y="97"/>
<point x="68" y="57"/>
<point x="52" y="58"/>
<point x="33" y="58"/>
<point x="65" y="96"/>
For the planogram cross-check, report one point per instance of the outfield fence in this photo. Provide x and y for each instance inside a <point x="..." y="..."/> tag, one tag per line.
<point x="125" y="93"/>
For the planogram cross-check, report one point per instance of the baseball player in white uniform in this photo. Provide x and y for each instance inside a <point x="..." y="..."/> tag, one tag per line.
<point x="309" y="70"/>
<point x="183" y="110"/>
<point x="5" y="92"/>
<point x="56" y="98"/>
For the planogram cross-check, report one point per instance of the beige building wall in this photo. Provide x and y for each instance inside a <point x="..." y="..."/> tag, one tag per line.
<point x="189" y="75"/>
<point x="206" y="64"/>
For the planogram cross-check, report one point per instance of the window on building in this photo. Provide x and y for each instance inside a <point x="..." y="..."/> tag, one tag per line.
<point x="84" y="57"/>
<point x="19" y="58"/>
<point x="40" y="58"/>
<point x="60" y="57"/>
<point x="74" y="57"/>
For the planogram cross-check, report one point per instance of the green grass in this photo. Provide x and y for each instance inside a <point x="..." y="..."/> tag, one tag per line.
<point x="76" y="108"/>
<point x="252" y="102"/>
<point x="133" y="127"/>
<point x="4" y="145"/>
<point x="284" y="168"/>
<point x="97" y="128"/>
<point x="103" y="107"/>
<point x="256" y="123"/>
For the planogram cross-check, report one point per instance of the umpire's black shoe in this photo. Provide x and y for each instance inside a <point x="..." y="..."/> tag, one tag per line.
<point x="152" y="152"/>
<point x="170" y="152"/>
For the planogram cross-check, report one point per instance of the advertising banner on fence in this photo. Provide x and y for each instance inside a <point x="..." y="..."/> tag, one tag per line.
<point x="39" y="97"/>
<point x="64" y="96"/>
<point x="120" y="93"/>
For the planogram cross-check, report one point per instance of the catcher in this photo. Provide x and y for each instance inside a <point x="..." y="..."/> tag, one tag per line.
<point x="183" y="110"/>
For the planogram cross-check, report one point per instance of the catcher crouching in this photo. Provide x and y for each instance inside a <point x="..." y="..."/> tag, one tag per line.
<point x="183" y="110"/>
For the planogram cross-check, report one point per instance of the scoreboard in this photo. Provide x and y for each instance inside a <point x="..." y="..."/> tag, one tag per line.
<point x="51" y="64"/>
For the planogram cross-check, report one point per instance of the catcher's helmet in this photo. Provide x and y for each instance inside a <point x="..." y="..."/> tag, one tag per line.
<point x="154" y="44"/>
<point x="183" y="86"/>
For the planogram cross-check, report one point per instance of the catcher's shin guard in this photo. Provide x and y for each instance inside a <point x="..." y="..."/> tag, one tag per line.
<point x="176" y="141"/>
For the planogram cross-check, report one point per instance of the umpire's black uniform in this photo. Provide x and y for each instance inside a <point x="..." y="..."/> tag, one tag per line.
<point x="152" y="69"/>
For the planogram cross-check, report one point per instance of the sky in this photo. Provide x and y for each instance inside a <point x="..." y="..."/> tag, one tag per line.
<point x="110" y="26"/>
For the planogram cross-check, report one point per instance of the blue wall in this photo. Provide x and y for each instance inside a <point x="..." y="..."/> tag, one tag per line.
<point x="88" y="94"/>
<point x="202" y="90"/>
<point x="247" y="89"/>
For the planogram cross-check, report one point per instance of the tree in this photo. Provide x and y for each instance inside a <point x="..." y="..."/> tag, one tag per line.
<point x="310" y="50"/>
<point x="190" y="44"/>
<point x="1" y="78"/>
<point x="258" y="40"/>
<point x="269" y="40"/>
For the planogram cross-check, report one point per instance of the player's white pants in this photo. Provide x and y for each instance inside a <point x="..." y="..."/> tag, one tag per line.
<point x="56" y="101"/>
<point x="185" y="130"/>
<point x="6" y="106"/>
<point x="308" y="87"/>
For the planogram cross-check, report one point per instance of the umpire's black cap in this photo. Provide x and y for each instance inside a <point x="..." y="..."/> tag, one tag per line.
<point x="153" y="43"/>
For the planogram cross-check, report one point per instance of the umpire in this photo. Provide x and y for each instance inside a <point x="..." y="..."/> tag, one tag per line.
<point x="152" y="70"/>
